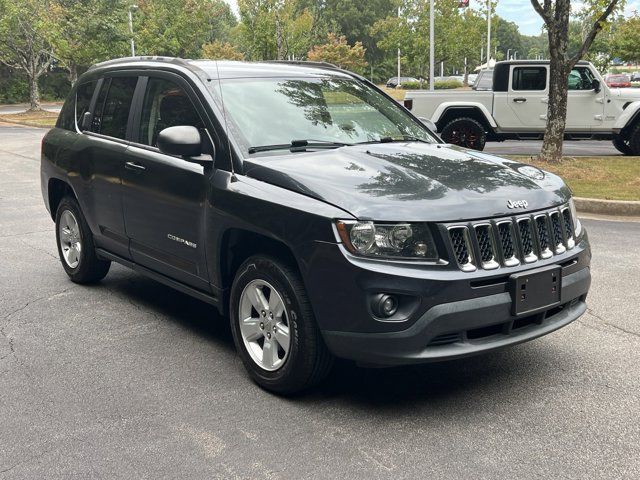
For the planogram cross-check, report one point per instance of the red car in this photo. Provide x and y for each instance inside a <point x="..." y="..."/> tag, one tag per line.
<point x="617" y="80"/>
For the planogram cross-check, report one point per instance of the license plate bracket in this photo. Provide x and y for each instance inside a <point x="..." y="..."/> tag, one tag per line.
<point x="535" y="290"/>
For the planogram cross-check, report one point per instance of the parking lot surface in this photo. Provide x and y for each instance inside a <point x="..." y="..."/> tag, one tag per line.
<point x="130" y="379"/>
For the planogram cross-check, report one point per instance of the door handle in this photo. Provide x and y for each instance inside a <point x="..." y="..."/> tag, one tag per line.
<point x="134" y="166"/>
<point x="520" y="100"/>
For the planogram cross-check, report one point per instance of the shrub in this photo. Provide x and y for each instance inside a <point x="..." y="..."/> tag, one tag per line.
<point x="447" y="84"/>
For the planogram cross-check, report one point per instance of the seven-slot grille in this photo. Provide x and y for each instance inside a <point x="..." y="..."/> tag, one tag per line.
<point x="509" y="242"/>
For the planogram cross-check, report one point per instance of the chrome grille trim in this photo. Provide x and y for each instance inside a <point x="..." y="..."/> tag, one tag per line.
<point x="462" y="248"/>
<point x="487" y="245"/>
<point x="527" y="245"/>
<point x="507" y="243"/>
<point x="556" y="232"/>
<point x="568" y="228"/>
<point x="542" y="232"/>
<point x="511" y="241"/>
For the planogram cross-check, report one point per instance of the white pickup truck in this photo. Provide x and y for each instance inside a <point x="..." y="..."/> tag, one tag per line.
<point x="517" y="108"/>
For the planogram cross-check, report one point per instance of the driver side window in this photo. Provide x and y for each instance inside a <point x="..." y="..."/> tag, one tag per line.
<point x="165" y="105"/>
<point x="581" y="78"/>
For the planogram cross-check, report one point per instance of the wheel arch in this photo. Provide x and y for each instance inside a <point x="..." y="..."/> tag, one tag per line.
<point x="470" y="111"/>
<point x="56" y="190"/>
<point x="237" y="244"/>
<point x="629" y="118"/>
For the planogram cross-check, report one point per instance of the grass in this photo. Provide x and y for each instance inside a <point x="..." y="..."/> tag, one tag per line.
<point x="607" y="178"/>
<point x="41" y="118"/>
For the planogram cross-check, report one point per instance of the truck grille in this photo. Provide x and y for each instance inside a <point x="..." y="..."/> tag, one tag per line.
<point x="511" y="241"/>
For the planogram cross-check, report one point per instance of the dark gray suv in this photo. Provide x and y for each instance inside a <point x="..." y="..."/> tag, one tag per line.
<point x="318" y="214"/>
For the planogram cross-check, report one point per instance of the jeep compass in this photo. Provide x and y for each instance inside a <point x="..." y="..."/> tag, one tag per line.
<point x="315" y="212"/>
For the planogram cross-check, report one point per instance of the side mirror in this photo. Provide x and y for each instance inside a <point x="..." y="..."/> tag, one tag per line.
<point x="429" y="124"/>
<point x="183" y="140"/>
<point x="596" y="85"/>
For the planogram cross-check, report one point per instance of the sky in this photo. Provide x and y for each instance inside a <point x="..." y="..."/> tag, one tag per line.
<point x="518" y="11"/>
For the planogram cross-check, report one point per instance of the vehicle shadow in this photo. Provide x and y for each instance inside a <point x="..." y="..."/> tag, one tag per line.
<point x="494" y="375"/>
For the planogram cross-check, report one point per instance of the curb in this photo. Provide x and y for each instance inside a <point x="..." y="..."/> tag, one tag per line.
<point x="607" y="207"/>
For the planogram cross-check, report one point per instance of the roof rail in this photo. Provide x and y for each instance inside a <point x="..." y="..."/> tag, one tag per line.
<point x="307" y="63"/>
<point x="150" y="58"/>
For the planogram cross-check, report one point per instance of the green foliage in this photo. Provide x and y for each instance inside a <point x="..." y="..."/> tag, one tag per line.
<point x="217" y="50"/>
<point x="626" y="40"/>
<point x="180" y="27"/>
<point x="338" y="52"/>
<point x="447" y="84"/>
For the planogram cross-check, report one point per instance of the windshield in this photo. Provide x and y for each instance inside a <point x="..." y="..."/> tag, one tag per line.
<point x="277" y="111"/>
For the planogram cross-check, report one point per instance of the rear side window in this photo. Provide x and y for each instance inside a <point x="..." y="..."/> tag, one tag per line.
<point x="65" y="119"/>
<point x="112" y="108"/>
<point x="83" y="100"/>
<point x="529" y="78"/>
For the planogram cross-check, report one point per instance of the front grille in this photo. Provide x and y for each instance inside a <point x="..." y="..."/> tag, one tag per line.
<point x="461" y="244"/>
<point x="508" y="242"/>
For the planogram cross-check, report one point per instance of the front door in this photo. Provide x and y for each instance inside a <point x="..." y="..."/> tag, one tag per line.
<point x="165" y="195"/>
<point x="585" y="107"/>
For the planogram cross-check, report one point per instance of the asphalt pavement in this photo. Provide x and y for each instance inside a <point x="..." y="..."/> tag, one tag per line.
<point x="130" y="379"/>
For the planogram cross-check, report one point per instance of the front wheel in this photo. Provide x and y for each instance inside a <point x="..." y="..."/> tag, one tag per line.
<point x="465" y="132"/>
<point x="622" y="145"/>
<point x="274" y="329"/>
<point x="634" y="140"/>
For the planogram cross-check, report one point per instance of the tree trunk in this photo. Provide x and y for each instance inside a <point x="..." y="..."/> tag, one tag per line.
<point x="73" y="73"/>
<point x="556" y="115"/>
<point x="34" y="92"/>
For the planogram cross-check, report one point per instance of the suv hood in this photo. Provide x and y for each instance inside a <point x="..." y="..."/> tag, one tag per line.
<point x="630" y="94"/>
<point x="412" y="181"/>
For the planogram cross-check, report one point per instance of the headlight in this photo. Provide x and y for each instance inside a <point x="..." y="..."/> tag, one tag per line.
<point x="388" y="240"/>
<point x="577" y="226"/>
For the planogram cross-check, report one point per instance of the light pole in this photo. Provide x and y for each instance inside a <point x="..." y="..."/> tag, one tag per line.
<point x="432" y="68"/>
<point x="508" y="50"/>
<point x="133" y="45"/>
<point x="488" y="32"/>
<point x="398" y="84"/>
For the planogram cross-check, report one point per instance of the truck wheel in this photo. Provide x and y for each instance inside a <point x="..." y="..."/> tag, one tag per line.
<point x="634" y="140"/>
<point x="75" y="245"/>
<point x="466" y="132"/>
<point x="274" y="329"/>
<point x="622" y="145"/>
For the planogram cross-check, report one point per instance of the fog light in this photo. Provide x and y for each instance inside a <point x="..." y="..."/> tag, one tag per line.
<point x="384" y="305"/>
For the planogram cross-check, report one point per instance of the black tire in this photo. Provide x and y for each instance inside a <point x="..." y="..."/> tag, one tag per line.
<point x="465" y="132"/>
<point x="634" y="140"/>
<point x="89" y="268"/>
<point x="308" y="360"/>
<point x="622" y="145"/>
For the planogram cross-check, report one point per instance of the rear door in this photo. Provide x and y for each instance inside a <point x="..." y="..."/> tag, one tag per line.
<point x="165" y="195"/>
<point x="528" y="96"/>
<point x="102" y="149"/>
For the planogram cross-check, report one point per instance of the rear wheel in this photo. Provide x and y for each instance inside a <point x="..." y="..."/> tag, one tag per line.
<point x="634" y="140"/>
<point x="465" y="132"/>
<point x="75" y="244"/>
<point x="274" y="329"/>
<point x="622" y="145"/>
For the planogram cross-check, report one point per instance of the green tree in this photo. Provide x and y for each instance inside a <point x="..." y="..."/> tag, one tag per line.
<point x="556" y="16"/>
<point x="25" y="41"/>
<point x="274" y="29"/>
<point x="626" y="40"/>
<point x="89" y="31"/>
<point x="180" y="27"/>
<point x="340" y="53"/>
<point x="218" y="50"/>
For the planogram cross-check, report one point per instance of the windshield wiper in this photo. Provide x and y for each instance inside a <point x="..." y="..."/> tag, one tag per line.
<point x="405" y="138"/>
<point x="299" y="145"/>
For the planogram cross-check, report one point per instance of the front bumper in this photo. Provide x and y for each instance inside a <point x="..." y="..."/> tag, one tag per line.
<point x="455" y="313"/>
<point x="463" y="328"/>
